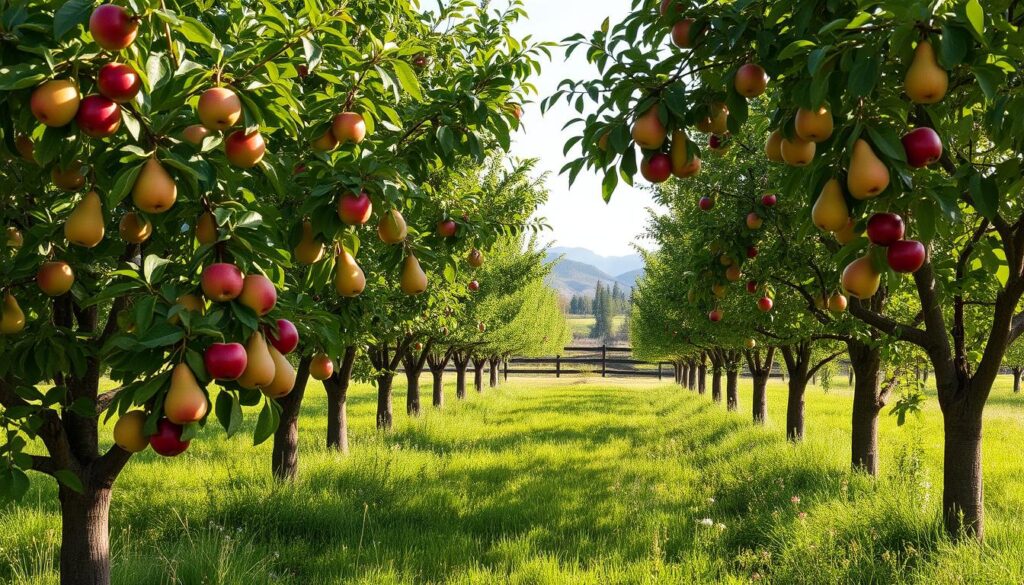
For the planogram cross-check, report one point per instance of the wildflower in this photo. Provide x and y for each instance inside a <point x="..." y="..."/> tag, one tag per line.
<point x="720" y="526"/>
<point x="711" y="500"/>
<point x="795" y="499"/>
<point x="707" y="522"/>
<point x="802" y="515"/>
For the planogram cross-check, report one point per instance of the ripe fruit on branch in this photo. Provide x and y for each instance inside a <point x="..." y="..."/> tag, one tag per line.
<point x="769" y="200"/>
<point x="718" y="290"/>
<point x="322" y="367"/>
<point x="26" y="149"/>
<point x="55" y="278"/>
<point x="70" y="179"/>
<point x="656" y="168"/>
<point x="349" y="279"/>
<point x="718" y="143"/>
<point x="310" y="250"/>
<point x="167" y="439"/>
<point x="797" y="152"/>
<point x="14" y="238"/>
<point x="926" y="81"/>
<point x="447" y="228"/>
<point x="751" y="80"/>
<point x="906" y="256"/>
<point x="473" y="286"/>
<point x="222" y="282"/>
<point x="860" y="279"/>
<point x="814" y="125"/>
<point x="706" y="203"/>
<point x="830" y="212"/>
<point x="837" y="303"/>
<point x="98" y="116"/>
<point x="195" y="134"/>
<point x="751" y="286"/>
<point x="414" y="280"/>
<point x="773" y="147"/>
<point x="284" y="376"/>
<point x="55" y="103"/>
<point x="85" y="224"/>
<point x="326" y="142"/>
<point x="185" y="401"/>
<point x="848" y="233"/>
<point x="349" y="127"/>
<point x="752" y="252"/>
<point x="154" y="190"/>
<point x="118" y="82"/>
<point x="259" y="369"/>
<point x="355" y="209"/>
<point x="206" y="229"/>
<point x="885" y="229"/>
<point x="12" y="318"/>
<point x="392" y="228"/>
<point x="258" y="293"/>
<point x="245" y="150"/>
<point x="475" y="258"/>
<point x="191" y="304"/>
<point x="683" y="35"/>
<point x="648" y="131"/>
<point x="286" y="339"/>
<point x="923" y="147"/>
<point x="751" y="343"/>
<point x="682" y="166"/>
<point x="219" y="108"/>
<point x="225" y="361"/>
<point x="128" y="432"/>
<point x="754" y="221"/>
<point x="733" y="273"/>
<point x="717" y="120"/>
<point x="868" y="176"/>
<point x="715" y="315"/>
<point x="765" y="304"/>
<point x="112" y="27"/>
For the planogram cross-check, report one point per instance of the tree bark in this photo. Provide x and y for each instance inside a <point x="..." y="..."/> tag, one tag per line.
<point x="438" y="393"/>
<point x="412" y="394"/>
<point x="478" y="374"/>
<point x="385" y="416"/>
<point x="760" y="397"/>
<point x="1016" y="379"/>
<point x="285" y="456"/>
<point x="732" y="392"/>
<point x="682" y="374"/>
<point x="716" y="383"/>
<point x="85" y="539"/>
<point x="337" y="402"/>
<point x="795" y="408"/>
<point x="963" y="496"/>
<point x="868" y="400"/>
<point x="692" y="380"/>
<point x="495" y="363"/>
<point x="460" y="382"/>
<point x="702" y="375"/>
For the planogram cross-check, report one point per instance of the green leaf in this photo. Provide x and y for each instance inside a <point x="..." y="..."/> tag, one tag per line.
<point x="608" y="185"/>
<point x="21" y="76"/>
<point x="70" y="15"/>
<point x="123" y="184"/>
<point x="196" y="32"/>
<point x="153" y="267"/>
<point x="266" y="424"/>
<point x="407" y="79"/>
<point x="976" y="17"/>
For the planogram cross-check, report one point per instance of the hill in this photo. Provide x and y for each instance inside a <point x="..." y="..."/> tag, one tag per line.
<point x="570" y="277"/>
<point x="606" y="264"/>
<point x="630" y="278"/>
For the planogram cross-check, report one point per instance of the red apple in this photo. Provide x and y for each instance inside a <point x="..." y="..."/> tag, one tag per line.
<point x="355" y="209"/>
<point x="765" y="304"/>
<point x="769" y="200"/>
<point x="55" y="278"/>
<point x="923" y="147"/>
<point x="447" y="228"/>
<point x="751" y="251"/>
<point x="245" y="150"/>
<point x="715" y="315"/>
<point x="884" y="229"/>
<point x="657" y="168"/>
<point x="258" y="293"/>
<point x="706" y="203"/>
<point x="112" y="27"/>
<point x="98" y="116"/>
<point x="225" y="361"/>
<point x="167" y="439"/>
<point x="474" y="286"/>
<point x="906" y="255"/>
<point x="751" y="80"/>
<point x="119" y="82"/>
<point x="286" y="339"/>
<point x="222" y="282"/>
<point x="302" y="70"/>
<point x="717" y="143"/>
<point x="682" y="32"/>
<point x="751" y="286"/>
<point x="754" y="220"/>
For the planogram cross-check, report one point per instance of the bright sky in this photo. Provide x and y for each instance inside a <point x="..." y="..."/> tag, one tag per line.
<point x="578" y="216"/>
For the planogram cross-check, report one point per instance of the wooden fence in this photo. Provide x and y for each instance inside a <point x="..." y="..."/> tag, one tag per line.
<point x="604" y="360"/>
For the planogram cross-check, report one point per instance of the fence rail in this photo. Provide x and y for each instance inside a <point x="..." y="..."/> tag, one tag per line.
<point x="598" y="357"/>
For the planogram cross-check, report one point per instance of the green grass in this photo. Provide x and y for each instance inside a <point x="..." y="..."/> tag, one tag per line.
<point x="603" y="481"/>
<point x="582" y="324"/>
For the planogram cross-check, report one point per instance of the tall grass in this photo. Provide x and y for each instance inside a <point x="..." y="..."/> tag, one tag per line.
<point x="545" y="481"/>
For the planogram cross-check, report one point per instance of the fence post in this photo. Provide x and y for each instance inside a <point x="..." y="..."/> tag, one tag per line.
<point x="505" y="362"/>
<point x="558" y="366"/>
<point x="659" y="371"/>
<point x="604" y="360"/>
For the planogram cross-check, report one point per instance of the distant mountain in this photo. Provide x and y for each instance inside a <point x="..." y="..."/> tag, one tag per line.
<point x="606" y="264"/>
<point x="570" y="277"/>
<point x="630" y="278"/>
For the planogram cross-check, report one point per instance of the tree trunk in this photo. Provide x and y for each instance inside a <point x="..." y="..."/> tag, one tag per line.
<point x="760" y="398"/>
<point x="682" y="374"/>
<point x="385" y="418"/>
<point x="285" y="457"/>
<point x="438" y="376"/>
<point x="732" y="392"/>
<point x="849" y="376"/>
<point x="716" y="383"/>
<point x="795" y="407"/>
<point x="478" y="374"/>
<point x="494" y="363"/>
<point x="866" y="362"/>
<point x="702" y="374"/>
<point x="337" y="402"/>
<point x="412" y="394"/>
<point x="460" y="381"/>
<point x="85" y="539"/>
<point x="691" y="382"/>
<point x="1016" y="380"/>
<point x="963" y="496"/>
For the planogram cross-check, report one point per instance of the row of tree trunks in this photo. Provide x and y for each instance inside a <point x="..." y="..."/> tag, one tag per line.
<point x="285" y="455"/>
<point x="494" y="362"/>
<point x="760" y="364"/>
<point x="461" y="359"/>
<point x="732" y="392"/>
<point x="337" y="402"/>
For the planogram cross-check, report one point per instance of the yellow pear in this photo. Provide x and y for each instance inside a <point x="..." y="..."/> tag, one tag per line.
<point x="860" y="279"/>
<point x="14" y="237"/>
<point x="814" y="125"/>
<point x="284" y="375"/>
<point x="868" y="176"/>
<point x="310" y="250"/>
<point x="648" y="131"/>
<point x="154" y="190"/>
<point x="12" y="318"/>
<point x="797" y="152"/>
<point x="85" y="224"/>
<point x="678" y="152"/>
<point x="392" y="228"/>
<point x="830" y="212"/>
<point x="848" y="233"/>
<point x="926" y="81"/>
<point x="134" y="228"/>
<point x="349" y="280"/>
<point x="773" y="147"/>
<point x="129" y="433"/>
<point x="260" y="369"/>
<point x="414" y="280"/>
<point x="185" y="401"/>
<point x="206" y="229"/>
<point x="192" y="304"/>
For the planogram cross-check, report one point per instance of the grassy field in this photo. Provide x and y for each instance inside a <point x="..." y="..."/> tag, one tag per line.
<point x="582" y="324"/>
<point x="578" y="481"/>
